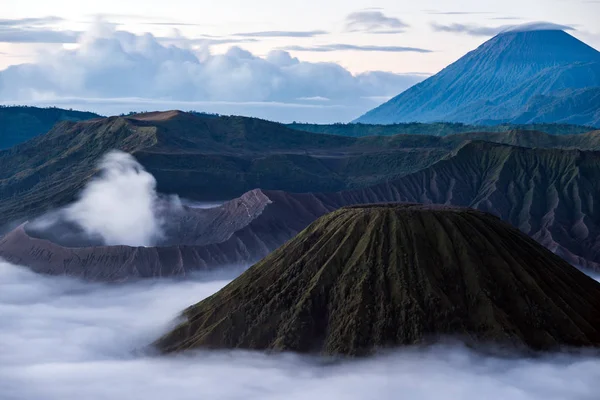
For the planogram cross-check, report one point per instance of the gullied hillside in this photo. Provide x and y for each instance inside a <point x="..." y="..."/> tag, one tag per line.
<point x="550" y="194"/>
<point x="505" y="80"/>
<point x="372" y="277"/>
<point x="19" y="124"/>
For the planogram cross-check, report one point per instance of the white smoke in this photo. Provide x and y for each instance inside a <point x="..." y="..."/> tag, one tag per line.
<point x="120" y="204"/>
<point x="61" y="339"/>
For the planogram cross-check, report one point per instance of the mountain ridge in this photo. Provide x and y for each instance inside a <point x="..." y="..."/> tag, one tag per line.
<point x="549" y="194"/>
<point x="21" y="123"/>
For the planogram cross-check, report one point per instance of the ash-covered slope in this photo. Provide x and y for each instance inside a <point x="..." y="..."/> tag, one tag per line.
<point x="502" y="81"/>
<point x="238" y="233"/>
<point x="379" y="276"/>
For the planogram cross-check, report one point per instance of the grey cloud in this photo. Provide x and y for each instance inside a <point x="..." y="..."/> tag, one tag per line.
<point x="435" y="12"/>
<point x="479" y="30"/>
<point x="506" y="18"/>
<point x="209" y="41"/>
<point x="36" y="35"/>
<point x="289" y="34"/>
<point x="373" y="21"/>
<point x="469" y="29"/>
<point x="387" y="31"/>
<point x="171" y="23"/>
<point x="347" y="47"/>
<point x="539" y="26"/>
<point x="141" y="19"/>
<point x="35" y="30"/>
<point x="30" y="21"/>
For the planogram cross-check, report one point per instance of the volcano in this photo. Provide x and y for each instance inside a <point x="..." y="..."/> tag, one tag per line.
<point x="379" y="276"/>
<point x="513" y="77"/>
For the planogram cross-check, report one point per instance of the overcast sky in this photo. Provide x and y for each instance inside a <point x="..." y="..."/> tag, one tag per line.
<point x="411" y="38"/>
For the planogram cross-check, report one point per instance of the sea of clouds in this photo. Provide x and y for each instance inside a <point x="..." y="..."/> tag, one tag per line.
<point x="64" y="339"/>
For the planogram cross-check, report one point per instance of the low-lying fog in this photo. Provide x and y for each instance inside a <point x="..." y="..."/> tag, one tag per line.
<point x="64" y="339"/>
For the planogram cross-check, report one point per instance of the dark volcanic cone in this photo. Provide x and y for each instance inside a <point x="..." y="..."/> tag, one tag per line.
<point x="377" y="276"/>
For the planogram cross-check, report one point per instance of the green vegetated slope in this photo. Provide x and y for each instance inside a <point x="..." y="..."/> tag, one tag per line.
<point x="216" y="158"/>
<point x="434" y="129"/>
<point x="20" y="123"/>
<point x="371" y="277"/>
<point x="49" y="170"/>
<point x="204" y="158"/>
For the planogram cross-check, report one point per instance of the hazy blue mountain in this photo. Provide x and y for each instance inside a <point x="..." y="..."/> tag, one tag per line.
<point x="21" y="123"/>
<point x="522" y="77"/>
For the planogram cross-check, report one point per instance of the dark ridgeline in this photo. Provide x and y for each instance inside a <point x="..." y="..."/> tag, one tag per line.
<point x="378" y="276"/>
<point x="21" y="123"/>
<point x="218" y="158"/>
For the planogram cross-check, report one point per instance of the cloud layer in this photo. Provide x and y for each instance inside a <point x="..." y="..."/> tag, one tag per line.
<point x="61" y="339"/>
<point x="374" y="21"/>
<point x="288" y="34"/>
<point x="480" y="30"/>
<point x="35" y="30"/>
<point x="353" y="47"/>
<point x="115" y="64"/>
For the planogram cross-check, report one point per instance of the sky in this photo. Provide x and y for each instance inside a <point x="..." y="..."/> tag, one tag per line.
<point x="351" y="55"/>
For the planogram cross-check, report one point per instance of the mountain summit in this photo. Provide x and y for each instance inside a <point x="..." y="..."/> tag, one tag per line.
<point x="521" y="76"/>
<point x="378" y="276"/>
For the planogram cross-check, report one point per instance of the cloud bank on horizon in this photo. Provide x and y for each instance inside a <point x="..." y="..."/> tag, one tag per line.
<point x="111" y="64"/>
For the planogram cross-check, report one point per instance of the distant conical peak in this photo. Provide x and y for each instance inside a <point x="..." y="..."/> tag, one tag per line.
<point x="502" y="81"/>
